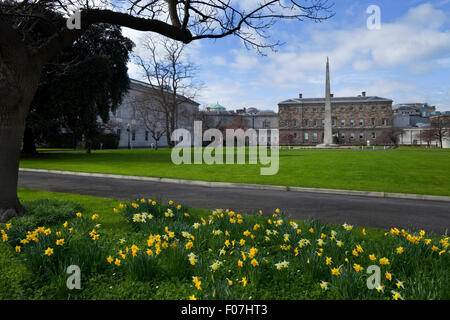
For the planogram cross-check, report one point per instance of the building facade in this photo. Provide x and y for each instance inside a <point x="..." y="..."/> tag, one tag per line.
<point x="247" y="118"/>
<point x="355" y="120"/>
<point x="412" y="114"/>
<point x="129" y="123"/>
<point x="428" y="135"/>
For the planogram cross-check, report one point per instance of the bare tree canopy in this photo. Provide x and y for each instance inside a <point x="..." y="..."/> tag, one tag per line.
<point x="172" y="79"/>
<point x="184" y="21"/>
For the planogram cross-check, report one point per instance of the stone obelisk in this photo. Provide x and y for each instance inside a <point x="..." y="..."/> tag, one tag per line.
<point x="328" y="130"/>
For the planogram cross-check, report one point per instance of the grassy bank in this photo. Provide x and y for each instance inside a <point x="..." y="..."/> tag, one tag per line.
<point x="404" y="170"/>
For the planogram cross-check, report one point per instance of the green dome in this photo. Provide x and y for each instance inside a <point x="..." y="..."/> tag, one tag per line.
<point x="218" y="107"/>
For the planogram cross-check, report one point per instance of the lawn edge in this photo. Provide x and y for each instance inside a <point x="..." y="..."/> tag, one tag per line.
<point x="211" y="184"/>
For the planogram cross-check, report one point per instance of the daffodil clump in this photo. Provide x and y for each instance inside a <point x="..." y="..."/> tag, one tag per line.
<point x="234" y="255"/>
<point x="229" y="255"/>
<point x="48" y="251"/>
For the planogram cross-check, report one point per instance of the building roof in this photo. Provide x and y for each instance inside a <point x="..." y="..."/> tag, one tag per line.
<point x="144" y="86"/>
<point x="218" y="107"/>
<point x="335" y="100"/>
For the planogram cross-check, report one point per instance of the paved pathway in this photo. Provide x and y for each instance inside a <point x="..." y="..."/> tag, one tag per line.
<point x="364" y="211"/>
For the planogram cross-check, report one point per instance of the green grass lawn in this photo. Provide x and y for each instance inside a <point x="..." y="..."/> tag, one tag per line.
<point x="404" y="170"/>
<point x="226" y="254"/>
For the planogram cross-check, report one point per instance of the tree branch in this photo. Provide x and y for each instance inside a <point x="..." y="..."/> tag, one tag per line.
<point x="92" y="16"/>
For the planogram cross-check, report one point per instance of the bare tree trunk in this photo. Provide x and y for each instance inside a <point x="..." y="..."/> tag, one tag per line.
<point x="168" y="133"/>
<point x="18" y="85"/>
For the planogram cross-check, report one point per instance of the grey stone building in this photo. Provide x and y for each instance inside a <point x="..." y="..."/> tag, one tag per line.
<point x="247" y="118"/>
<point x="354" y="120"/>
<point x="412" y="114"/>
<point x="129" y="123"/>
<point x="417" y="135"/>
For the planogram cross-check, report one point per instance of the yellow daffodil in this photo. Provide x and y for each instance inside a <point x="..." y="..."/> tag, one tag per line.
<point x="357" y="267"/>
<point x="336" y="271"/>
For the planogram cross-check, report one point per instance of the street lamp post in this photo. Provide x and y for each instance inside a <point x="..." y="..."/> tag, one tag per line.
<point x="128" y="130"/>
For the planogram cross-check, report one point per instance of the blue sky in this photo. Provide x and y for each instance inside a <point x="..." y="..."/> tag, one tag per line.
<point x="407" y="60"/>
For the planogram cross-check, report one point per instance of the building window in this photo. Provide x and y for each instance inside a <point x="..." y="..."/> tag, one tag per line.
<point x="315" y="136"/>
<point x="361" y="135"/>
<point x="286" y="123"/>
<point x="374" y="108"/>
<point x="352" y="136"/>
<point x="374" y="135"/>
<point x="306" y="122"/>
<point x="306" y="110"/>
<point x="323" y="123"/>
<point x="383" y="108"/>
<point x="343" y="135"/>
<point x="306" y="136"/>
<point x="315" y="123"/>
<point x="315" y="110"/>
<point x="323" y="109"/>
<point x="295" y="123"/>
<point x="146" y="135"/>
<point x="342" y="123"/>
<point x="118" y="132"/>
<point x="133" y="135"/>
<point x="352" y="122"/>
<point x="361" y="122"/>
<point x="333" y="122"/>
<point x="373" y="122"/>
<point x="342" y="109"/>
<point x="294" y="110"/>
<point x="383" y="122"/>
<point x="352" y="109"/>
<point x="295" y="135"/>
<point x="361" y="108"/>
<point x="266" y="124"/>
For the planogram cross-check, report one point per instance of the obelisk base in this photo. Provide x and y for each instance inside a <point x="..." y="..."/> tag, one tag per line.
<point x="327" y="146"/>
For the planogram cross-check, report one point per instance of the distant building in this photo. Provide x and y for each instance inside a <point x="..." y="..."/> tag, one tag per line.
<point x="354" y="120"/>
<point x="412" y="114"/>
<point x="247" y="118"/>
<point x="417" y="135"/>
<point x="129" y="125"/>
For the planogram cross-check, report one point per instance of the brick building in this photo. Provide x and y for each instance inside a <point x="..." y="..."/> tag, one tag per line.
<point x="354" y="120"/>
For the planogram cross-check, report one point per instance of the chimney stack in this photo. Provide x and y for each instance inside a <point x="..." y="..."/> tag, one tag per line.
<point x="300" y="95"/>
<point x="363" y="93"/>
<point x="331" y="95"/>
